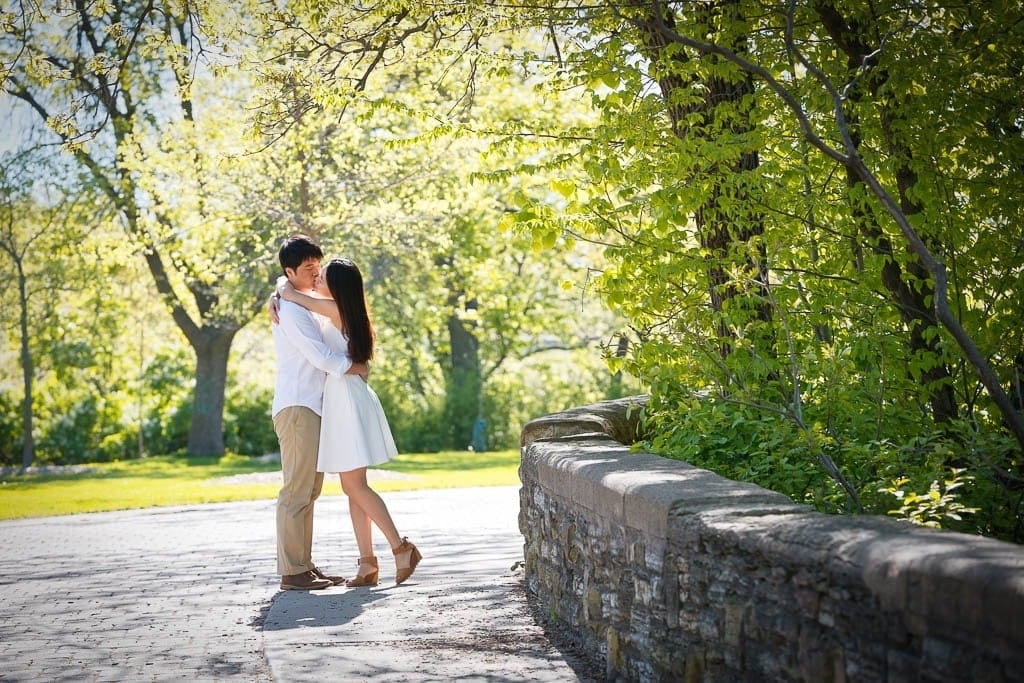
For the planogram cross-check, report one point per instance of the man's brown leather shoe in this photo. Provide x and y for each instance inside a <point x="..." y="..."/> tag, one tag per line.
<point x="336" y="580"/>
<point x="306" y="581"/>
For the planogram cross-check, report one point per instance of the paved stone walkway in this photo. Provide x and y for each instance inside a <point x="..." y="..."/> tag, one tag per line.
<point x="190" y="594"/>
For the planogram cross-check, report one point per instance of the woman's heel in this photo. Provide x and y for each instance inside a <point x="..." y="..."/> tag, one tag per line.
<point x="367" y="579"/>
<point x="403" y="573"/>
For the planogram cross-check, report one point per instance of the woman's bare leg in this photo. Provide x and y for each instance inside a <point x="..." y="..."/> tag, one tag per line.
<point x="370" y="506"/>
<point x="361" y="527"/>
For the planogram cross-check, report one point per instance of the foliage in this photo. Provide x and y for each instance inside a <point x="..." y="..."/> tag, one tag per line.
<point x="805" y="220"/>
<point x="60" y="259"/>
<point x="248" y="428"/>
<point x="809" y="325"/>
<point x="84" y="431"/>
<point x="933" y="508"/>
<point x="770" y="248"/>
<point x="416" y="421"/>
<point x="11" y="432"/>
<point x="458" y="299"/>
<point x="146" y="114"/>
<point x="406" y="201"/>
<point x="883" y="473"/>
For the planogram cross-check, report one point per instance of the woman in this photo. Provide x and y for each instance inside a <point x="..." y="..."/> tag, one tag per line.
<point x="354" y="432"/>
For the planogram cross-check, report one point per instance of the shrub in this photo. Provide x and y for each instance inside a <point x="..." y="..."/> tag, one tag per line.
<point x="248" y="427"/>
<point x="902" y="474"/>
<point x="10" y="429"/>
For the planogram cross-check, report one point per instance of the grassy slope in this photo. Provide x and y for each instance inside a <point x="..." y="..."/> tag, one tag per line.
<point x="170" y="480"/>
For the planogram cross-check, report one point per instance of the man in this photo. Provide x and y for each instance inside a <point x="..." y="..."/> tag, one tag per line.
<point x="303" y="359"/>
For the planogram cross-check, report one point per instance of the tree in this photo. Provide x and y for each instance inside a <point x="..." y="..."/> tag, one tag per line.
<point x="812" y="211"/>
<point x="16" y="243"/>
<point x="873" y="61"/>
<point x="45" y="232"/>
<point x="122" y="83"/>
<point x="865" y="115"/>
<point x="460" y="298"/>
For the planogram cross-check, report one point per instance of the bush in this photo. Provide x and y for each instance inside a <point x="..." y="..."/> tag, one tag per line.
<point x="417" y="423"/>
<point x="166" y="432"/>
<point x="230" y="459"/>
<point x="87" y="430"/>
<point x="10" y="430"/>
<point x="902" y="475"/>
<point x="248" y="427"/>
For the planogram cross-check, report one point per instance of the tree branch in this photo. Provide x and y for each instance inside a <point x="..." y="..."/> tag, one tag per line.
<point x="852" y="160"/>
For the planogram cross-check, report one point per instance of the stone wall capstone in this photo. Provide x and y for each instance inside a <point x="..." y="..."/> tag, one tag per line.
<point x="665" y="572"/>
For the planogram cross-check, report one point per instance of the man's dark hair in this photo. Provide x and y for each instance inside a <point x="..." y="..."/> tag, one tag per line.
<point x="296" y="250"/>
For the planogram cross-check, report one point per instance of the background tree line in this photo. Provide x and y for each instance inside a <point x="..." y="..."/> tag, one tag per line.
<point x="808" y="214"/>
<point x="146" y="161"/>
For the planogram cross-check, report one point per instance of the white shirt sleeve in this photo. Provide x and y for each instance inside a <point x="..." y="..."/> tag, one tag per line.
<point x="302" y="331"/>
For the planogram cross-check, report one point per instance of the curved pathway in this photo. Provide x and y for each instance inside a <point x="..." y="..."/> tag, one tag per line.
<point x="189" y="593"/>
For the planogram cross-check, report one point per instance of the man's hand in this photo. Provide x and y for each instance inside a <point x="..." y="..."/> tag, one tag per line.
<point x="361" y="369"/>
<point x="273" y="306"/>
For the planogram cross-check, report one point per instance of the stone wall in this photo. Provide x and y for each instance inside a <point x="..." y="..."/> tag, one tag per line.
<point x="666" y="572"/>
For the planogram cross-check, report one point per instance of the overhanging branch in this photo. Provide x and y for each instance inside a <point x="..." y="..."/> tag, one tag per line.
<point x="852" y="160"/>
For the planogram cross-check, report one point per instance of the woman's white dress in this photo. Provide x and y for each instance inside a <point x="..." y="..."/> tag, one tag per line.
<point x="354" y="431"/>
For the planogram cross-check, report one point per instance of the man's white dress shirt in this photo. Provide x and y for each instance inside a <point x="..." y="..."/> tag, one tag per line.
<point x="303" y="359"/>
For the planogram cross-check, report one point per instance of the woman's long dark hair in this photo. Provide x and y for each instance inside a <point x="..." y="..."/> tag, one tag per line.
<point x="346" y="285"/>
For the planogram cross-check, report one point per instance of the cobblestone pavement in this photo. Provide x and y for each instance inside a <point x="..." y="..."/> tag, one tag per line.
<point x="190" y="594"/>
<point x="165" y="594"/>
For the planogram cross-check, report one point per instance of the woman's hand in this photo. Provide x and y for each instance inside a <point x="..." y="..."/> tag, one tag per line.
<point x="360" y="369"/>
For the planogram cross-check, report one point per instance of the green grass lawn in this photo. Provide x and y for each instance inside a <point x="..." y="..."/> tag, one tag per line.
<point x="176" y="480"/>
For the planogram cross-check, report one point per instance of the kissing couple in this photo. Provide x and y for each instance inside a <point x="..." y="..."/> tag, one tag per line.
<point x="326" y="416"/>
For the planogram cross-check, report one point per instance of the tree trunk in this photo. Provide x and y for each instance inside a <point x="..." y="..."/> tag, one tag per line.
<point x="465" y="383"/>
<point x="28" y="449"/>
<point x="918" y="312"/>
<point x="206" y="432"/>
<point x="912" y="291"/>
<point x="722" y="234"/>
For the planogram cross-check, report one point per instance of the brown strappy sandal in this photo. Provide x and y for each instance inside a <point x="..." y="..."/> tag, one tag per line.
<point x="403" y="573"/>
<point x="367" y="579"/>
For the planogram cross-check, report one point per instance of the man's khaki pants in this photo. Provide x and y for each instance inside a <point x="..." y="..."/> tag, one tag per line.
<point x="298" y="433"/>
